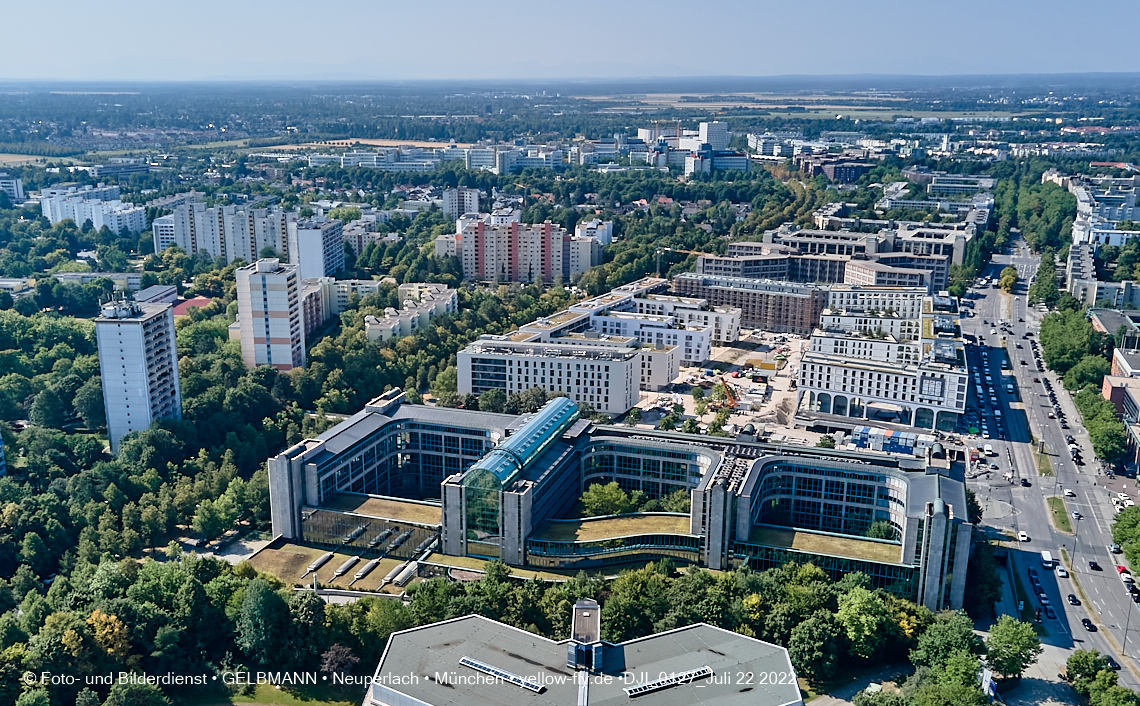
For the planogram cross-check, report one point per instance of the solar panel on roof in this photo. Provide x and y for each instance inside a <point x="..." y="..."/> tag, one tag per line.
<point x="504" y="675"/>
<point x="668" y="681"/>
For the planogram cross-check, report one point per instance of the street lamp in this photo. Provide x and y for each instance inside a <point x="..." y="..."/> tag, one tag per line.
<point x="1127" y="620"/>
<point x="1076" y="541"/>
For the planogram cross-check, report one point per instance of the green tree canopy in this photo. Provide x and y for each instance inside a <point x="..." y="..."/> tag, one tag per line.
<point x="1012" y="646"/>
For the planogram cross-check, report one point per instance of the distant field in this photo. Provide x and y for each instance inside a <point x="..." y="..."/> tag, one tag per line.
<point x="815" y="106"/>
<point x="11" y="160"/>
<point x="361" y="141"/>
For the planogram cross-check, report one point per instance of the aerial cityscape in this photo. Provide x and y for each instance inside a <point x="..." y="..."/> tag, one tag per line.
<point x="777" y="378"/>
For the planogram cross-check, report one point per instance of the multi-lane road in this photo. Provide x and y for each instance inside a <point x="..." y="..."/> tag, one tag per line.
<point x="1014" y="507"/>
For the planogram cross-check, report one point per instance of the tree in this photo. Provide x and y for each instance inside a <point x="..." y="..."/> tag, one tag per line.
<point x="214" y="517"/>
<point x="135" y="695"/>
<point x="1089" y="371"/>
<point x="48" y="410"/>
<point x="1044" y="288"/>
<point x="493" y="400"/>
<point x="881" y="529"/>
<point x="1081" y="669"/>
<point x="338" y="658"/>
<point x="949" y="633"/>
<point x="35" y="697"/>
<point x="960" y="668"/>
<point x="1008" y="279"/>
<point x="446" y="381"/>
<point x="814" y="646"/>
<point x="633" y="417"/>
<point x="308" y="624"/>
<point x="262" y="624"/>
<point x="608" y="499"/>
<point x="1012" y="646"/>
<point x="973" y="508"/>
<point x="88" y="403"/>
<point x="827" y="441"/>
<point x="865" y="620"/>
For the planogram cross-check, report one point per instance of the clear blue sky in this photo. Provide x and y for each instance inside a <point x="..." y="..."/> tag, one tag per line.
<point x="468" y="39"/>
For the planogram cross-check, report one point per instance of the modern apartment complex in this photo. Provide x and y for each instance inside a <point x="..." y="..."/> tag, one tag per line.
<point x="907" y="255"/>
<point x="456" y="202"/>
<point x="778" y="306"/>
<point x="325" y="297"/>
<point x="857" y="367"/>
<point x="596" y="228"/>
<point x="421" y="301"/>
<point x="496" y="247"/>
<point x="316" y="246"/>
<point x="503" y="488"/>
<point x="230" y="232"/>
<point x="643" y="334"/>
<point x="13" y="188"/>
<point x="98" y="204"/>
<point x="269" y="320"/>
<point x="138" y="366"/>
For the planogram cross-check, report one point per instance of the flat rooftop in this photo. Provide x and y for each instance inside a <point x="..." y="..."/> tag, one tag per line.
<point x="437" y="649"/>
<point x="556" y="320"/>
<point x="386" y="508"/>
<point x="611" y="527"/>
<point x="826" y="544"/>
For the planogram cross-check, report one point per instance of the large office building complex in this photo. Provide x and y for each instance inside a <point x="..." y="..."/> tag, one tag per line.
<point x="503" y="487"/>
<point x="138" y="366"/>
<point x="907" y="254"/>
<point x="269" y="320"/>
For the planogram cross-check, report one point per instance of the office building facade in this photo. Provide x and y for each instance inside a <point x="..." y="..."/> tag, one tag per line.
<point x="508" y="485"/>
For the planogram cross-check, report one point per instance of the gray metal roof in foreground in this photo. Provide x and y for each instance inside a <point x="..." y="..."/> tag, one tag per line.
<point x="424" y="664"/>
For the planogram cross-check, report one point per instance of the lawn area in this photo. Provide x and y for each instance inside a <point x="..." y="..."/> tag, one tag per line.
<point x="826" y="544"/>
<point x="607" y="528"/>
<point x="1044" y="465"/>
<point x="266" y="695"/>
<point x="1059" y="513"/>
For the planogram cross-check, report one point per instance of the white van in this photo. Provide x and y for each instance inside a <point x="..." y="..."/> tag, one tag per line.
<point x="989" y="450"/>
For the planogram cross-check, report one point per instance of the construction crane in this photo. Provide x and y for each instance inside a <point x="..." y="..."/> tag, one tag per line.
<point x="663" y="250"/>
<point x="730" y="393"/>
